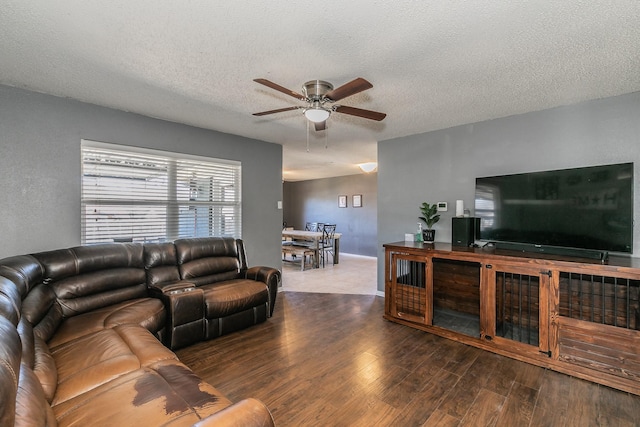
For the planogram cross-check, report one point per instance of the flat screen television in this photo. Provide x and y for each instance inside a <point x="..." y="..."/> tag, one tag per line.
<point x="588" y="208"/>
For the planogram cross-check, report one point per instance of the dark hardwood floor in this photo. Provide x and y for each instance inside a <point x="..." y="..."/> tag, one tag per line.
<point x="332" y="360"/>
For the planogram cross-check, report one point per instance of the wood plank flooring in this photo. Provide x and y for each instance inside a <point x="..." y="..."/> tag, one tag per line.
<point x="332" y="360"/>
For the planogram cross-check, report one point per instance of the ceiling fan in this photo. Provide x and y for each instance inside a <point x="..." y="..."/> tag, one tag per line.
<point x="318" y="94"/>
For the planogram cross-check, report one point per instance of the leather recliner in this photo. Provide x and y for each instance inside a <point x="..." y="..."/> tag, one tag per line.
<point x="79" y="334"/>
<point x="208" y="288"/>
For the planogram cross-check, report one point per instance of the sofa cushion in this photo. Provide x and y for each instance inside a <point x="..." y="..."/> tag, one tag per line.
<point x="23" y="270"/>
<point x="62" y="263"/>
<point x="92" y="360"/>
<point x="210" y="270"/>
<point x="191" y="249"/>
<point x="10" y="300"/>
<point x="161" y="263"/>
<point x="86" y="278"/>
<point x="42" y="311"/>
<point x="232" y="296"/>
<point x="25" y="331"/>
<point x="45" y="368"/>
<point x="10" y="353"/>
<point x="31" y="407"/>
<point x="165" y="393"/>
<point x="37" y="357"/>
<point x="90" y="291"/>
<point x="146" y="312"/>
<point x="208" y="260"/>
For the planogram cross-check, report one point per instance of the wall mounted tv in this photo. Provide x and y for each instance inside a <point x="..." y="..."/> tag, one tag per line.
<point x="588" y="209"/>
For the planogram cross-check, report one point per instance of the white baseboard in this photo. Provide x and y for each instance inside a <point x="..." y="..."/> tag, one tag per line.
<point x="358" y="256"/>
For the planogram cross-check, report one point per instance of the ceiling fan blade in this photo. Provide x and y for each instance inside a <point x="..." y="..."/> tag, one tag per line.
<point x="348" y="89"/>
<point x="321" y="125"/>
<point x="279" y="88"/>
<point x="279" y="110"/>
<point x="367" y="114"/>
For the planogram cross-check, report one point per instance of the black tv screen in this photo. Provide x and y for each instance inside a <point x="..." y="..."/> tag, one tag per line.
<point x="583" y="208"/>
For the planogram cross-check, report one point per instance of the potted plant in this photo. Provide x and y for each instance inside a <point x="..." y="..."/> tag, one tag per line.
<point x="429" y="216"/>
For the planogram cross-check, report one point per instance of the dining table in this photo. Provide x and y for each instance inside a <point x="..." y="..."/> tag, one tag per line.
<point x="314" y="237"/>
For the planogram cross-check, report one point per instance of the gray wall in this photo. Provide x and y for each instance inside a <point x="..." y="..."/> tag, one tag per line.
<point x="40" y="170"/>
<point x="317" y="201"/>
<point x="442" y="165"/>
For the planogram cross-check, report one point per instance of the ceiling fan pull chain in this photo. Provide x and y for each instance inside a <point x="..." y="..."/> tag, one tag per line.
<point x="307" y="135"/>
<point x="326" y="138"/>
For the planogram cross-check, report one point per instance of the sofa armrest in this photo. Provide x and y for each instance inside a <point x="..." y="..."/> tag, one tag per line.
<point x="171" y="287"/>
<point x="246" y="413"/>
<point x="184" y="303"/>
<point x="271" y="277"/>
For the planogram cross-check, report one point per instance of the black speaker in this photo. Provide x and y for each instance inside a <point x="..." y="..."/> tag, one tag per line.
<point x="464" y="231"/>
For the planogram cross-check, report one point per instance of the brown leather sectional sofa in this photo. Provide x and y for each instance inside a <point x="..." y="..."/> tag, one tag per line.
<point x="81" y="333"/>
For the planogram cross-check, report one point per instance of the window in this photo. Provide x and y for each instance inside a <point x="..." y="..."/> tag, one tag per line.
<point x="487" y="198"/>
<point x="138" y="195"/>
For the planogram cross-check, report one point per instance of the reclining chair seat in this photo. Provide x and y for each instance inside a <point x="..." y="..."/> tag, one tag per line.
<point x="147" y="312"/>
<point x="232" y="296"/>
<point x="95" y="359"/>
<point x="163" y="393"/>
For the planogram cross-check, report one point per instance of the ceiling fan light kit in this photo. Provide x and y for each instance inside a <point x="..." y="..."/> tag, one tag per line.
<point x="368" y="167"/>
<point x="316" y="114"/>
<point x="318" y="93"/>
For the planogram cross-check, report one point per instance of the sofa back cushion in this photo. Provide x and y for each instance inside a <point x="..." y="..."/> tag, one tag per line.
<point x="23" y="270"/>
<point x="10" y="300"/>
<point x="37" y="357"/>
<point x="86" y="278"/>
<point x="21" y="282"/>
<point x="31" y="408"/>
<point x="10" y="354"/>
<point x="208" y="260"/>
<point x="161" y="263"/>
<point x="40" y="307"/>
<point x="23" y="401"/>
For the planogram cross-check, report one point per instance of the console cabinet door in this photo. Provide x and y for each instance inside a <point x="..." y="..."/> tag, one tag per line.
<point x="410" y="288"/>
<point x="515" y="307"/>
<point x="596" y="322"/>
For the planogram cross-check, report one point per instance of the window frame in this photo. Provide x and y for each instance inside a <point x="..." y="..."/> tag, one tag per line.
<point x="176" y="206"/>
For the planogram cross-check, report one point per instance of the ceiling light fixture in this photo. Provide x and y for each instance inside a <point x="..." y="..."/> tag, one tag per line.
<point x="368" y="167"/>
<point x="316" y="114"/>
<point x="318" y="94"/>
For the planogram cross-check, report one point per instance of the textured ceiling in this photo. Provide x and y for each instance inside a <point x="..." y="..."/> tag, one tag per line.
<point x="433" y="64"/>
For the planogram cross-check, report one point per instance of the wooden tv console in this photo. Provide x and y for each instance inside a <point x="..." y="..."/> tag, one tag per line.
<point x="579" y="317"/>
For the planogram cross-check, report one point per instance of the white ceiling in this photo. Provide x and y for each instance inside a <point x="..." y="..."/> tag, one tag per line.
<point x="433" y="64"/>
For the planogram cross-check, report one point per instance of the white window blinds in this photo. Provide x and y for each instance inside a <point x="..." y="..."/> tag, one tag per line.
<point x="135" y="195"/>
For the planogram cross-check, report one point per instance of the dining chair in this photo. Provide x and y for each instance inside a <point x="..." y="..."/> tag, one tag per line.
<point x="311" y="226"/>
<point x="327" y="243"/>
<point x="287" y="241"/>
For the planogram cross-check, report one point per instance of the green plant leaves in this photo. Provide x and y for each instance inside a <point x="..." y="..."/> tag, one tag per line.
<point x="430" y="214"/>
